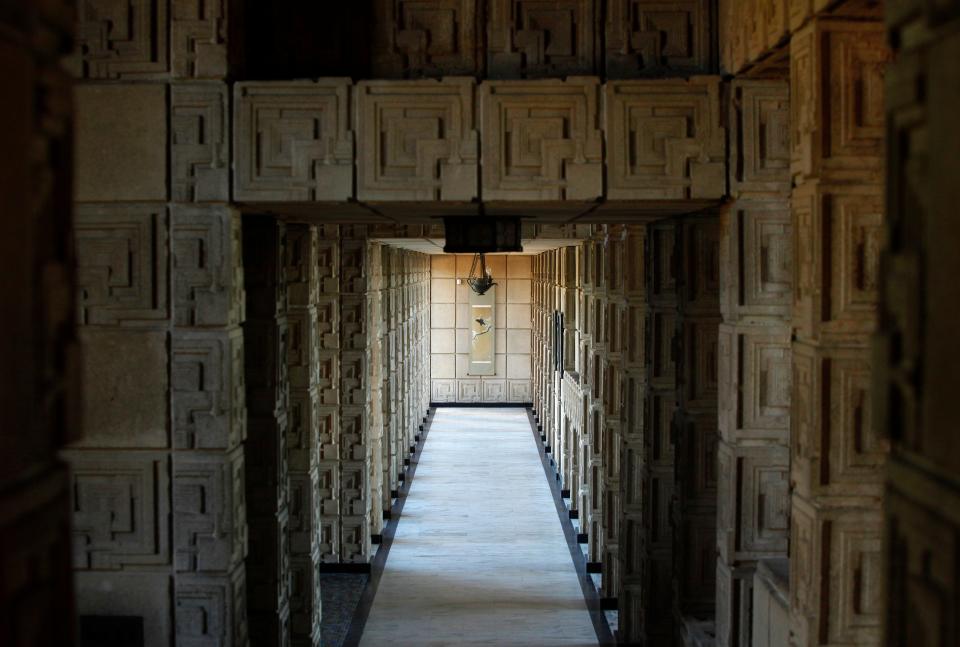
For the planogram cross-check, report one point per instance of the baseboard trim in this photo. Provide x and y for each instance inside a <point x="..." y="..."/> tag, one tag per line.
<point x="482" y="405"/>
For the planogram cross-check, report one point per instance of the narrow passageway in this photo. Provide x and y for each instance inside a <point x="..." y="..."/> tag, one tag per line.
<point x="479" y="556"/>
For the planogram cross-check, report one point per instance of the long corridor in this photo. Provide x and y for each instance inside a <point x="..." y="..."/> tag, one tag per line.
<point x="479" y="556"/>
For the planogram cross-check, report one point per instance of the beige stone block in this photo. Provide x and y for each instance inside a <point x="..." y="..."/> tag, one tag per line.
<point x="500" y="317"/>
<point x="122" y="254"/>
<point x="497" y="263"/>
<point x="143" y="595"/>
<point x="518" y="291"/>
<point x="123" y="40"/>
<point x="554" y="147"/>
<point x="518" y="315"/>
<point x="463" y="315"/>
<point x="494" y="390"/>
<point x="464" y="337"/>
<point x="417" y="140"/>
<point x="442" y="367"/>
<point x="760" y="142"/>
<point x="500" y="293"/>
<point x="665" y="139"/>
<point x="443" y="315"/>
<point x="125" y="388"/>
<point x="443" y="391"/>
<point x="519" y="391"/>
<point x="518" y="367"/>
<point x="645" y="37"/>
<point x="121" y="143"/>
<point x="518" y="341"/>
<point x="463" y="291"/>
<point x="529" y="38"/>
<point x="519" y="267"/>
<point x="293" y="141"/>
<point x="200" y="142"/>
<point x="198" y="35"/>
<point x="443" y="266"/>
<point x="837" y="236"/>
<point x="443" y="290"/>
<point x="463" y="366"/>
<point x="469" y="390"/>
<point x="442" y="341"/>
<point x="837" y="129"/>
<point x="434" y="39"/>
<point x="501" y="340"/>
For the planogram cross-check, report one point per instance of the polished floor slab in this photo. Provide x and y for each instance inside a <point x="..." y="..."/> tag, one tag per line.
<point x="479" y="556"/>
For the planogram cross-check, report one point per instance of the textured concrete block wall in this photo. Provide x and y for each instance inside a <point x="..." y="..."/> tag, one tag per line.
<point x="450" y="330"/>
<point x="916" y="351"/>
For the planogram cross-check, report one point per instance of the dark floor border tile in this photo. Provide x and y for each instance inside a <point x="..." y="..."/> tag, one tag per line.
<point x="595" y="604"/>
<point x="379" y="560"/>
<point x="482" y="405"/>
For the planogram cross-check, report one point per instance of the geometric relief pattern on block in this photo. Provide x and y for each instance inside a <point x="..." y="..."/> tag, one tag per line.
<point x="121" y="39"/>
<point x="418" y="140"/>
<point x="121" y="509"/>
<point x="837" y="240"/>
<point x="758" y="239"/>
<point x="518" y="391"/>
<point x="207" y="267"/>
<point x="198" y="34"/>
<point x="541" y="140"/>
<point x="923" y="590"/>
<point x="530" y="38"/>
<point x="211" y="609"/>
<point x="417" y="38"/>
<point x="760" y="143"/>
<point x="837" y="119"/>
<point x="199" y="144"/>
<point x="444" y="391"/>
<point x="665" y="140"/>
<point x="836" y="450"/>
<point x="209" y="511"/>
<point x="208" y="390"/>
<point x="754" y="503"/>
<point x="121" y="264"/>
<point x="836" y="575"/>
<point x="293" y="141"/>
<point x="655" y="36"/>
<point x="755" y="390"/>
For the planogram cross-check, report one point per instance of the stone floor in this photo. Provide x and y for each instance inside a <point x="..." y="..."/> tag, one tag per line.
<point x="479" y="556"/>
<point x="341" y="593"/>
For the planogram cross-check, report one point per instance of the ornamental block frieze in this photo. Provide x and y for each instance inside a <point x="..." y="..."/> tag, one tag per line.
<point x="837" y="235"/>
<point x="760" y="139"/>
<point x="293" y="141"/>
<point x="200" y="142"/>
<point x="121" y="39"/>
<point x="211" y="608"/>
<point x="753" y="515"/>
<point x="756" y="254"/>
<point x="302" y="266"/>
<point x="755" y="382"/>
<point x="837" y="119"/>
<point x="665" y="139"/>
<point x="531" y="38"/>
<point x="836" y="451"/>
<point x="209" y="399"/>
<point x="418" y="140"/>
<point x="836" y="574"/>
<point x="121" y="509"/>
<point x="416" y="39"/>
<point x="541" y="140"/>
<point x="122" y="264"/>
<point x="653" y="37"/>
<point x="198" y="38"/>
<point x="209" y="508"/>
<point x="207" y="267"/>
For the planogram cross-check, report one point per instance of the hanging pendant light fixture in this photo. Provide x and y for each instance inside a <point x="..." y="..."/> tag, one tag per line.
<point x="481" y="278"/>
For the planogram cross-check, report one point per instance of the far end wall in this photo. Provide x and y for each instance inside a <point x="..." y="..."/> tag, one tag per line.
<point x="450" y="331"/>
